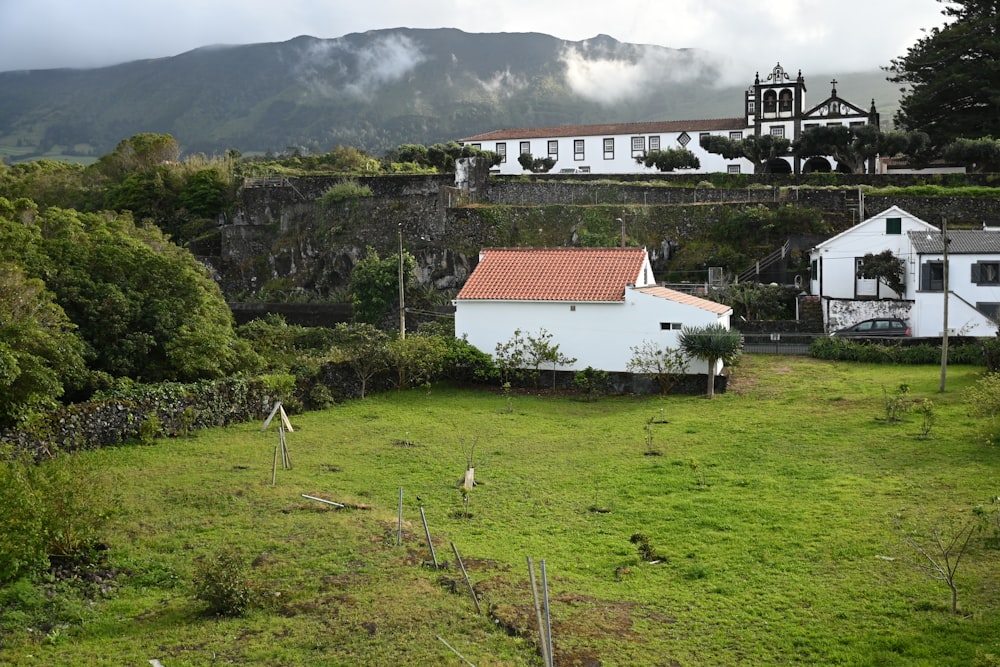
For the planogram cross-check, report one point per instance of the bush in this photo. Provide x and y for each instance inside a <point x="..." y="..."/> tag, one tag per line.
<point x="221" y="581"/>
<point x="52" y="508"/>
<point x="592" y="382"/>
<point x="832" y="348"/>
<point x="347" y="190"/>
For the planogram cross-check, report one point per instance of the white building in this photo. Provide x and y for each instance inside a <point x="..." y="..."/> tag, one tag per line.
<point x="597" y="303"/>
<point x="973" y="276"/>
<point x="775" y="106"/>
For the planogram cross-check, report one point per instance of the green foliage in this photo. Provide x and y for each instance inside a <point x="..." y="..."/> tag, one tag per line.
<point x="417" y="359"/>
<point x="535" y="165"/>
<point x="760" y="150"/>
<point x="851" y="147"/>
<point x="39" y="353"/>
<point x="896" y="403"/>
<point x="928" y="416"/>
<point x="665" y="365"/>
<point x="754" y="301"/>
<point x="150" y="429"/>
<point x="364" y="348"/>
<point x="343" y="191"/>
<point x="592" y="383"/>
<point x="711" y="343"/>
<point x="983" y="397"/>
<point x="56" y="507"/>
<point x="669" y="159"/>
<point x="951" y="76"/>
<point x="833" y="348"/>
<point x="886" y="267"/>
<point x="977" y="155"/>
<point x="222" y="581"/>
<point x="375" y="284"/>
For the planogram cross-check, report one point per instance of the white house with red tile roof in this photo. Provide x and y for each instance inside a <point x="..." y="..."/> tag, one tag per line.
<point x="774" y="105"/>
<point x="597" y="303"/>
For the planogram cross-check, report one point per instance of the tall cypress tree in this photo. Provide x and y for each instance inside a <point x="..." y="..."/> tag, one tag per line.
<point x="953" y="75"/>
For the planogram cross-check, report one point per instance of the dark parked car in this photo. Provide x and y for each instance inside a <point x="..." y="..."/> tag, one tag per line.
<point x="876" y="328"/>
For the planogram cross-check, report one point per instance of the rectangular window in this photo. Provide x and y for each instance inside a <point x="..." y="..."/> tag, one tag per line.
<point x="525" y="147"/>
<point x="932" y="276"/>
<point x="814" y="269"/>
<point x="893" y="225"/>
<point x="777" y="130"/>
<point x="986" y="273"/>
<point x="638" y="146"/>
<point x="478" y="147"/>
<point x="502" y="151"/>
<point x="736" y="136"/>
<point x="578" y="149"/>
<point x="989" y="309"/>
<point x="670" y="326"/>
<point x="702" y="135"/>
<point x="732" y="168"/>
<point x="809" y="126"/>
<point x="609" y="149"/>
<point x="859" y="123"/>
<point x="553" y="148"/>
<point x="751" y="106"/>
<point x="654" y="143"/>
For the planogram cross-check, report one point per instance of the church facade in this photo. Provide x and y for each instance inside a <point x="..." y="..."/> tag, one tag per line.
<point x="774" y="105"/>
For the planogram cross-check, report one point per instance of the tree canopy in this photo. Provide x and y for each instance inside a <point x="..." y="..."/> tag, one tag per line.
<point x="670" y="159"/>
<point x="759" y="150"/>
<point x="952" y="75"/>
<point x="712" y="343"/>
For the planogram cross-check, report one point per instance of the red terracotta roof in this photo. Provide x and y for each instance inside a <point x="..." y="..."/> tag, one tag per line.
<point x="686" y="299"/>
<point x="607" y="129"/>
<point x="554" y="274"/>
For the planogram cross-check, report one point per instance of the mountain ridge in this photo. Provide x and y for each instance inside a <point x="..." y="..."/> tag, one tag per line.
<point x="373" y="90"/>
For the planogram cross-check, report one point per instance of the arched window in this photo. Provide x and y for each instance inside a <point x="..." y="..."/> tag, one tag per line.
<point x="770" y="101"/>
<point x="785" y="101"/>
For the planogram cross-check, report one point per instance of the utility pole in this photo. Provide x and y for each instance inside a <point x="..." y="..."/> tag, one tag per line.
<point x="944" y="284"/>
<point x="402" y="296"/>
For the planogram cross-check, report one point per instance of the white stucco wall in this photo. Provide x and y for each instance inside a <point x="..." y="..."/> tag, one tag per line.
<point x="599" y="335"/>
<point x="963" y="318"/>
<point x="836" y="258"/>
<point x="623" y="161"/>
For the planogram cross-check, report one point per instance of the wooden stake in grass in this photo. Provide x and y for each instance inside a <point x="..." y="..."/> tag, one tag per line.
<point x="427" y="532"/>
<point x="454" y="651"/>
<point x="461" y="566"/>
<point x="274" y="466"/>
<point x="399" y="520"/>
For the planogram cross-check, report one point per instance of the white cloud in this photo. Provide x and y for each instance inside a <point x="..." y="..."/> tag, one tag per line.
<point x="384" y="61"/>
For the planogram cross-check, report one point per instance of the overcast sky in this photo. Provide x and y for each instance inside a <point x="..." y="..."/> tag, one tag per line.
<point x="811" y="35"/>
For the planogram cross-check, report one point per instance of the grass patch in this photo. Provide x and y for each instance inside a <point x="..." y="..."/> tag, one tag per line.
<point x="769" y="515"/>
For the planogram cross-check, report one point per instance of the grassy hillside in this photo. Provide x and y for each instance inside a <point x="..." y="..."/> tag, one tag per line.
<point x="774" y="514"/>
<point x="374" y="90"/>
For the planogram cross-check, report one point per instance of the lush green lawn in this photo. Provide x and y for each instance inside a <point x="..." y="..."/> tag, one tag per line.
<point x="775" y="510"/>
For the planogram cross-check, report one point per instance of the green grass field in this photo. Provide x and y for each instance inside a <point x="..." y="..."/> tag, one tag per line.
<point x="774" y="511"/>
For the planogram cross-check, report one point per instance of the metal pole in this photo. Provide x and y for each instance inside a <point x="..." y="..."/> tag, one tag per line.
<point x="944" y="280"/>
<point x="399" y="520"/>
<point x="402" y="297"/>
<point x="548" y="618"/>
<point x="542" y="643"/>
<point x="454" y="651"/>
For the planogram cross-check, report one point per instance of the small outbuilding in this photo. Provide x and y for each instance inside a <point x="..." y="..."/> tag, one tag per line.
<point x="597" y="304"/>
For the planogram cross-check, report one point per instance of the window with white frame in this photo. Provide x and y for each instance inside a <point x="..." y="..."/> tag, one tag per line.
<point x="732" y="168"/>
<point x="671" y="326"/>
<point x="654" y="143"/>
<point x="609" y="149"/>
<point x="736" y="135"/>
<point x="525" y="147"/>
<point x="777" y="130"/>
<point x="502" y="151"/>
<point x="578" y="146"/>
<point x="478" y="147"/>
<point x="638" y="146"/>
<point x="553" y="148"/>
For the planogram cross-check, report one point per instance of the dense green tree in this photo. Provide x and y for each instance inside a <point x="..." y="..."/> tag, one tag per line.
<point x="540" y="165"/>
<point x="711" y="343"/>
<point x="364" y="348"/>
<point x="375" y="284"/>
<point x="670" y="159"/>
<point x="39" y="354"/>
<point x="141" y="152"/>
<point x="952" y="75"/>
<point x="885" y="267"/>
<point x="851" y="147"/>
<point x="143" y="307"/>
<point x="758" y="150"/>
<point x="977" y="155"/>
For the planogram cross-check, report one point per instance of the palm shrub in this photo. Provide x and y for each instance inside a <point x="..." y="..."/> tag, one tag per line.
<point x="711" y="343"/>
